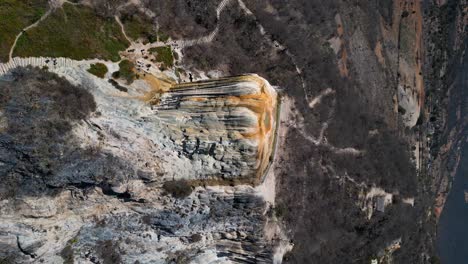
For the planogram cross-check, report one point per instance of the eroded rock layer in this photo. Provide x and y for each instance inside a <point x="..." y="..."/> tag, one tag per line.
<point x="228" y="125"/>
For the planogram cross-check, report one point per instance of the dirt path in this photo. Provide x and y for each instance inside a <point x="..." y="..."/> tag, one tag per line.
<point x="183" y="43"/>
<point x="321" y="140"/>
<point x="53" y="4"/>
<point x="275" y="44"/>
<point x="122" y="28"/>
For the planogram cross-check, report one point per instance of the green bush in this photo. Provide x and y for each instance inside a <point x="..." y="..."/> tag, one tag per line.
<point x="98" y="69"/>
<point x="164" y="55"/>
<point x="125" y="71"/>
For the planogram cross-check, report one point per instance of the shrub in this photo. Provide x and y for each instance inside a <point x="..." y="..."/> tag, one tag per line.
<point x="98" y="69"/>
<point x="195" y="238"/>
<point x="280" y="210"/>
<point x="164" y="55"/>
<point x="125" y="71"/>
<point x="178" y="189"/>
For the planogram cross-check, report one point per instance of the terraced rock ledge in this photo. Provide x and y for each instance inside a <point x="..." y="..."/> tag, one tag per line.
<point x="228" y="124"/>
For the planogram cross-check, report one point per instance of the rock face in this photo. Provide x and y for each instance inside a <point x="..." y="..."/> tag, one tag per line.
<point x="228" y="125"/>
<point x="215" y="131"/>
<point x="410" y="95"/>
<point x="84" y="167"/>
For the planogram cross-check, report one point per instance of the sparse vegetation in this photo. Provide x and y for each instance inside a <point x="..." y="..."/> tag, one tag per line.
<point x="75" y="32"/>
<point x="164" y="55"/>
<point x="178" y="189"/>
<point x="280" y="210"/>
<point x="407" y="41"/>
<point x="125" y="71"/>
<point x="179" y="71"/>
<point x="14" y="16"/>
<point x="7" y="260"/>
<point x="108" y="251"/>
<point x="195" y="238"/>
<point x="163" y="36"/>
<point x="136" y="30"/>
<point x="184" y="19"/>
<point x="67" y="252"/>
<point x="41" y="108"/>
<point x="98" y="69"/>
<point x="137" y="27"/>
<point x="178" y="257"/>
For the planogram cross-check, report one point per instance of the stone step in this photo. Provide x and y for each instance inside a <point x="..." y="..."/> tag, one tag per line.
<point x="41" y="62"/>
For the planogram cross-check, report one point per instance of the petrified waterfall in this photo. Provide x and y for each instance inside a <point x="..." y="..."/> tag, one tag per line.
<point x="227" y="124"/>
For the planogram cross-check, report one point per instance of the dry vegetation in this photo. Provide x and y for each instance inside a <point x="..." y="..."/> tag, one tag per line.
<point x="178" y="189"/>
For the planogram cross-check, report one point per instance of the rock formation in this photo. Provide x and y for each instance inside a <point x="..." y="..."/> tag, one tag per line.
<point x="228" y="125"/>
<point x="89" y="168"/>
